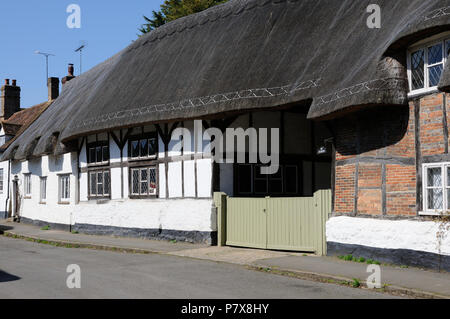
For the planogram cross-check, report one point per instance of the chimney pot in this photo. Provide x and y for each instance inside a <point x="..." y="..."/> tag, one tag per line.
<point x="6" y="81"/>
<point x="71" y="70"/>
<point x="70" y="76"/>
<point x="14" y="82"/>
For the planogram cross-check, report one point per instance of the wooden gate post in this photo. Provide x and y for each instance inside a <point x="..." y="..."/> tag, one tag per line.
<point x="220" y="201"/>
<point x="322" y="203"/>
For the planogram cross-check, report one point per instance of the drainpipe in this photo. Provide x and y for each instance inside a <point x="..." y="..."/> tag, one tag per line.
<point x="16" y="198"/>
<point x="9" y="181"/>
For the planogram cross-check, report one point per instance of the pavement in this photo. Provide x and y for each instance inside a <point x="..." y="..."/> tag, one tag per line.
<point x="400" y="281"/>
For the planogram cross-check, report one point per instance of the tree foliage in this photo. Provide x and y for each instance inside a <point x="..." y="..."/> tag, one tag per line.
<point x="174" y="9"/>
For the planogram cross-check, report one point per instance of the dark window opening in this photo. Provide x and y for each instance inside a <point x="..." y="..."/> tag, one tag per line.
<point x="143" y="147"/>
<point x="285" y="182"/>
<point x="98" y="153"/>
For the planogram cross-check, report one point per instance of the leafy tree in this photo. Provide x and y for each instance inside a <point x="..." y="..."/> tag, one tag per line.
<point x="174" y="9"/>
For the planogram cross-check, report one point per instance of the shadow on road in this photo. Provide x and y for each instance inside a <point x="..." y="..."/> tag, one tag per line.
<point x="5" y="277"/>
<point x="4" y="228"/>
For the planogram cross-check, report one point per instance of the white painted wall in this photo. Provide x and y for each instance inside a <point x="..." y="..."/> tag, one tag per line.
<point x="4" y="203"/>
<point x="204" y="175"/>
<point x="175" y="173"/>
<point x="389" y="234"/>
<point x="176" y="214"/>
<point x="49" y="167"/>
<point x="189" y="178"/>
<point x="175" y="180"/>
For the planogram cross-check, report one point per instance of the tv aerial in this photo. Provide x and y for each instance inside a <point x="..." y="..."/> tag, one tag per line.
<point x="47" y="55"/>
<point x="80" y="49"/>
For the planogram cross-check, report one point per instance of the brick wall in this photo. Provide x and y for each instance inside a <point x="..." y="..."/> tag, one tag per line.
<point x="431" y="125"/>
<point x="380" y="152"/>
<point x="345" y="187"/>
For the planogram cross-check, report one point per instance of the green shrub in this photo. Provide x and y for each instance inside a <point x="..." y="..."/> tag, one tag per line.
<point x="348" y="257"/>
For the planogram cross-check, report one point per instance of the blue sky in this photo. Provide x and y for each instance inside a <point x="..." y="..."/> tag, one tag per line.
<point x="27" y="26"/>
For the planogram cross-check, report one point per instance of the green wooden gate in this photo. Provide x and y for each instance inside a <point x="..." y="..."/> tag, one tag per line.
<point x="296" y="224"/>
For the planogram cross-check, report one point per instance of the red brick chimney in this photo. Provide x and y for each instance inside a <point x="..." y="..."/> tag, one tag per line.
<point x="10" y="99"/>
<point x="53" y="88"/>
<point x="70" y="75"/>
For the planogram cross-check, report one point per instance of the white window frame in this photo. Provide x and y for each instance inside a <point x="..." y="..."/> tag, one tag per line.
<point x="445" y="203"/>
<point x="43" y="190"/>
<point x="424" y="45"/>
<point x="2" y="176"/>
<point x="27" y="190"/>
<point x="63" y="182"/>
<point x="139" y="169"/>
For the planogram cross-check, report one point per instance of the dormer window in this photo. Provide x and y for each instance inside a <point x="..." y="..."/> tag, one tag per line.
<point x="426" y="62"/>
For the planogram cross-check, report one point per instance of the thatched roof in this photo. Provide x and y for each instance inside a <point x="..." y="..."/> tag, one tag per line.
<point x="242" y="55"/>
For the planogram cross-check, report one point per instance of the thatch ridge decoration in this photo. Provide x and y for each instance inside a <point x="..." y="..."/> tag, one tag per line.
<point x="204" y="101"/>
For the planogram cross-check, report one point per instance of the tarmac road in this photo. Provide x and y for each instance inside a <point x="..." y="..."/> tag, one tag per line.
<point x="30" y="270"/>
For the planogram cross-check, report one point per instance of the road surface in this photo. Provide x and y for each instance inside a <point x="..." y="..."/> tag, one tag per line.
<point x="30" y="270"/>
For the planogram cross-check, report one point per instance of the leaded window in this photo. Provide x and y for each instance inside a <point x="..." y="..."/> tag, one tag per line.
<point x="426" y="64"/>
<point x="143" y="181"/>
<point x="436" y="188"/>
<point x="99" y="183"/>
<point x="1" y="180"/>
<point x="64" y="189"/>
<point x="27" y="185"/>
<point x="43" y="189"/>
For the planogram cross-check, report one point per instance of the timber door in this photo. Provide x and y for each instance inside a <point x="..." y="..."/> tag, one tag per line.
<point x="295" y="224"/>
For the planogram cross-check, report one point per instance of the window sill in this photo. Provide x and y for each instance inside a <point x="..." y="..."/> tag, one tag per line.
<point x="63" y="203"/>
<point x="434" y="214"/>
<point x="143" y="196"/>
<point x="136" y="159"/>
<point x="93" y="165"/>
<point x="42" y="203"/>
<point x="99" y="200"/>
<point x="422" y="92"/>
<point x="27" y="197"/>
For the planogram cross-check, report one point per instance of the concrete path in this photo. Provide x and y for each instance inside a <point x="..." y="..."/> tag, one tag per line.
<point x="396" y="280"/>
